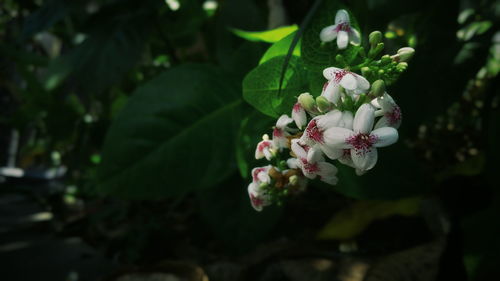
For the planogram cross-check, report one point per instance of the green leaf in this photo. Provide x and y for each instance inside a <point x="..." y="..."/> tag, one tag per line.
<point x="317" y="55"/>
<point x="270" y="36"/>
<point x="352" y="221"/>
<point x="51" y="12"/>
<point x="261" y="86"/>
<point x="176" y="134"/>
<point x="280" y="48"/>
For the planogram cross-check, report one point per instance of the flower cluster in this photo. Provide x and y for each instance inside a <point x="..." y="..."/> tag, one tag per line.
<point x="347" y="122"/>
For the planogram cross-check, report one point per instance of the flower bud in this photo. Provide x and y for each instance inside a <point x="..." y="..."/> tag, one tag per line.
<point x="293" y="180"/>
<point x="366" y="71"/>
<point x="323" y="104"/>
<point x="402" y="66"/>
<point x="405" y="54"/>
<point x="385" y="59"/>
<point x="374" y="38"/>
<point x="307" y="102"/>
<point x="378" y="88"/>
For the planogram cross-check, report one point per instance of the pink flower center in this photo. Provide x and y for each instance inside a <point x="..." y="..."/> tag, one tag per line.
<point x="256" y="173"/>
<point x="277" y="133"/>
<point x="339" y="74"/>
<point x="311" y="168"/>
<point x="256" y="201"/>
<point x="263" y="145"/>
<point x="313" y="132"/>
<point x="297" y="107"/>
<point x="362" y="143"/>
<point x="394" y="116"/>
<point x="343" y="26"/>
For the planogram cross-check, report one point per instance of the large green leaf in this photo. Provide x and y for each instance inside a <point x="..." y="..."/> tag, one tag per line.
<point x="280" y="48"/>
<point x="261" y="86"/>
<point x="175" y="134"/>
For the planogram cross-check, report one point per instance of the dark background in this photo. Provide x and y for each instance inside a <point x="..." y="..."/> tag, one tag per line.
<point x="81" y="201"/>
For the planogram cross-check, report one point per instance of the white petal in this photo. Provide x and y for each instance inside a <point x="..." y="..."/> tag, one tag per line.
<point x="364" y="160"/>
<point x="385" y="136"/>
<point x="354" y="36"/>
<point x="264" y="177"/>
<point x="349" y="81"/>
<point x="331" y="152"/>
<point x="332" y="92"/>
<point x="328" y="33"/>
<point x="341" y="16"/>
<point x="375" y="103"/>
<point x="342" y="39"/>
<point x="314" y="155"/>
<point x="362" y="84"/>
<point x="336" y="137"/>
<point x="298" y="150"/>
<point x="326" y="169"/>
<point x="280" y="142"/>
<point x="283" y="121"/>
<point x="329" y="120"/>
<point x="346" y="159"/>
<point x="329" y="72"/>
<point x="268" y="154"/>
<point x="299" y="115"/>
<point x="382" y="122"/>
<point x="253" y="188"/>
<point x="363" y="120"/>
<point x="347" y="120"/>
<point x="293" y="163"/>
<point x="360" y="172"/>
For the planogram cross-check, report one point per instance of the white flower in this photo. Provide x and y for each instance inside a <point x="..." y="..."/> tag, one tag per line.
<point x="314" y="132"/>
<point x="389" y="110"/>
<point x="265" y="148"/>
<point x="258" y="196"/>
<point x="352" y="82"/>
<point x="361" y="141"/>
<point x="312" y="163"/>
<point x="280" y="132"/>
<point x="299" y="115"/>
<point x="341" y="30"/>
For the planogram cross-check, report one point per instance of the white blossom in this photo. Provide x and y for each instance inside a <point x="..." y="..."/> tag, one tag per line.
<point x="342" y="30"/>
<point x="353" y="83"/>
<point x="389" y="111"/>
<point x="281" y="132"/>
<point x="312" y="163"/>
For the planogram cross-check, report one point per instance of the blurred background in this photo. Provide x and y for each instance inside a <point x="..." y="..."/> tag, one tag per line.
<point x="125" y="147"/>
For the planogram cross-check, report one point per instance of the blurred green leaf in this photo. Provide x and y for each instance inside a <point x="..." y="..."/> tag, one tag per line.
<point x="176" y="134"/>
<point x="270" y="36"/>
<point x="353" y="220"/>
<point x="51" y="12"/>
<point x="261" y="86"/>
<point x="280" y="48"/>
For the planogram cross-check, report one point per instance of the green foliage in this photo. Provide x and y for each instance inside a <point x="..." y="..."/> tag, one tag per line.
<point x="158" y="144"/>
<point x="261" y="86"/>
<point x="269" y="36"/>
<point x="281" y="48"/>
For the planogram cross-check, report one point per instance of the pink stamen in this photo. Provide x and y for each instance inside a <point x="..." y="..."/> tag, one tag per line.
<point x="362" y="143"/>
<point x="263" y="145"/>
<point x="343" y="26"/>
<point x="256" y="201"/>
<point x="257" y="172"/>
<point x="314" y="133"/>
<point x="394" y="116"/>
<point x="339" y="74"/>
<point x="277" y="133"/>
<point x="297" y="107"/>
<point x="311" y="168"/>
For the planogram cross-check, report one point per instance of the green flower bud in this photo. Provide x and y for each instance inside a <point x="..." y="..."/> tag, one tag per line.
<point x="405" y="54"/>
<point x="402" y="66"/>
<point x="340" y="59"/>
<point x="366" y="71"/>
<point x="307" y="102"/>
<point x="378" y="88"/>
<point x="323" y="104"/>
<point x="374" y="38"/>
<point x="293" y="180"/>
<point x="385" y="59"/>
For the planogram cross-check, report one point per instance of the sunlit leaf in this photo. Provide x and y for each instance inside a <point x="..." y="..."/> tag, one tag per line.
<point x="270" y="36"/>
